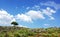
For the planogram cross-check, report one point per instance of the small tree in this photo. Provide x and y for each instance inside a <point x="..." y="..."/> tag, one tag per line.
<point x="14" y="23"/>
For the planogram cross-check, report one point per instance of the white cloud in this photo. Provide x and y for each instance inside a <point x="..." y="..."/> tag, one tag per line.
<point x="5" y="18"/>
<point x="46" y="25"/>
<point x="49" y="12"/>
<point x="52" y="18"/>
<point x="30" y="16"/>
<point x="24" y="17"/>
<point x="35" y="14"/>
<point x="51" y="3"/>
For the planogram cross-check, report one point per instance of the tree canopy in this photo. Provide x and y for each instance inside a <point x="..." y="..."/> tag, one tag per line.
<point x="14" y="23"/>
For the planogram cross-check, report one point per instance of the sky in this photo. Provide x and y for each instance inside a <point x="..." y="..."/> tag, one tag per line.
<point x="30" y="13"/>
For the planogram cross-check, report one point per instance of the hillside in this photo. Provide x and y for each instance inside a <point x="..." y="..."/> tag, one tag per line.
<point x="12" y="31"/>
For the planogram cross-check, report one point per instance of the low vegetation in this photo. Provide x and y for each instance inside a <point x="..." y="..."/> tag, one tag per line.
<point x="12" y="31"/>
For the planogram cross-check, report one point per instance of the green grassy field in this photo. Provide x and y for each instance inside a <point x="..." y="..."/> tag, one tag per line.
<point x="28" y="32"/>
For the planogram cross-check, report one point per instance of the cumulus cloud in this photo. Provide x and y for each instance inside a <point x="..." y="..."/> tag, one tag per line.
<point x="49" y="12"/>
<point x="5" y="18"/>
<point x="52" y="4"/>
<point x="35" y="14"/>
<point x="30" y="16"/>
<point x="24" y="17"/>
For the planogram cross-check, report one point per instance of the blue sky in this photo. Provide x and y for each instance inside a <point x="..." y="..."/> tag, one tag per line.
<point x="30" y="13"/>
